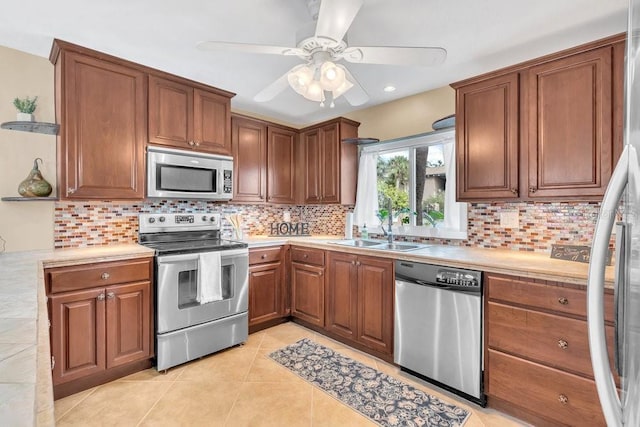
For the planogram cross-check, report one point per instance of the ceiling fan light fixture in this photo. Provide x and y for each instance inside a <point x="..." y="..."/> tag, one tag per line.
<point x="314" y="92"/>
<point x="300" y="78"/>
<point x="331" y="76"/>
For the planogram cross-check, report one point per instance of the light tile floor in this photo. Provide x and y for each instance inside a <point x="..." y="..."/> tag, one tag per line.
<point x="240" y="386"/>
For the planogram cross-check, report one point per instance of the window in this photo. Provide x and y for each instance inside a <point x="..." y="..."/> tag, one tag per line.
<point x="417" y="175"/>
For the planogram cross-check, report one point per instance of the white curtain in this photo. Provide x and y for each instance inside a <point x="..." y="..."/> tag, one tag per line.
<point x="367" y="192"/>
<point x="455" y="214"/>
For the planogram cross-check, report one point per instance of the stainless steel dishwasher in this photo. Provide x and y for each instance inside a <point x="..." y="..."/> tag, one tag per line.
<point x="438" y="326"/>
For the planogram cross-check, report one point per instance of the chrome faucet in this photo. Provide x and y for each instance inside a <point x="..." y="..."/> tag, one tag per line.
<point x="389" y="234"/>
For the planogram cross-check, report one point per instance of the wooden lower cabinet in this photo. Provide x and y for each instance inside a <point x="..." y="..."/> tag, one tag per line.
<point x="99" y="333"/>
<point x="267" y="287"/>
<point x="359" y="302"/>
<point x="307" y="293"/>
<point x="538" y="366"/>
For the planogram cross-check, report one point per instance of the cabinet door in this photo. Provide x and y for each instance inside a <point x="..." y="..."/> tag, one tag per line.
<point x="307" y="293"/>
<point x="212" y="122"/>
<point x="250" y="160"/>
<point x="342" y="293"/>
<point x="77" y="334"/>
<point x="104" y="119"/>
<point x="129" y="327"/>
<point x="570" y="125"/>
<point x="266" y="299"/>
<point x="375" y="303"/>
<point x="170" y="113"/>
<point x="487" y="139"/>
<point x="280" y="165"/>
<point x="330" y="164"/>
<point x="311" y="162"/>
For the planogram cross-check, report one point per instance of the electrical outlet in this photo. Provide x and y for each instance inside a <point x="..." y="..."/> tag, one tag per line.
<point x="510" y="219"/>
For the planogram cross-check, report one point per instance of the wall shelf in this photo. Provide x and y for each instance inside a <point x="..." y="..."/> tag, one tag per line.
<point x="37" y="127"/>
<point x="29" y="199"/>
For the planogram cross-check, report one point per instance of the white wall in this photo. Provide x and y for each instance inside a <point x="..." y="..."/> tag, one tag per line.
<point x="25" y="225"/>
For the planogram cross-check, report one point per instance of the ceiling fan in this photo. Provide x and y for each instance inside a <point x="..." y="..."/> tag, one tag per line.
<point x="321" y="45"/>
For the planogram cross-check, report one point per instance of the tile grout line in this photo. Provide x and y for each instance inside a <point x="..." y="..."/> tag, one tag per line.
<point x="159" y="398"/>
<point x="74" y="406"/>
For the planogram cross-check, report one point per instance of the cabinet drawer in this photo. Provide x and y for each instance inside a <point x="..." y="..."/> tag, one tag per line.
<point x="63" y="279"/>
<point x="547" y="297"/>
<point x="556" y="395"/>
<point x="307" y="256"/>
<point x="263" y="255"/>
<point x="554" y="340"/>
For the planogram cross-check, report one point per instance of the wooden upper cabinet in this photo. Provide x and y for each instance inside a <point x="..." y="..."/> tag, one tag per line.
<point x="249" y="142"/>
<point x="329" y="167"/>
<point x="101" y="108"/>
<point x="264" y="159"/>
<point x="280" y="165"/>
<point x="170" y="112"/>
<point x="184" y="116"/>
<point x="487" y="139"/>
<point x="569" y="119"/>
<point x="549" y="128"/>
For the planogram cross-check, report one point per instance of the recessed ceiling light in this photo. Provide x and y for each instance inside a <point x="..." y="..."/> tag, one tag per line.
<point x="389" y="88"/>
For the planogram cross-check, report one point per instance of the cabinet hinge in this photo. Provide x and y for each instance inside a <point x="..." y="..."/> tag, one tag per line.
<point x="53" y="362"/>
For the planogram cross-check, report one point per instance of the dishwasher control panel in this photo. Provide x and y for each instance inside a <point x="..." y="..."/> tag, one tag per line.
<point x="458" y="278"/>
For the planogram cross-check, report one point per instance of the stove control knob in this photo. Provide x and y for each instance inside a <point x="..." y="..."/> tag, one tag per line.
<point x="161" y="219"/>
<point x="152" y="220"/>
<point x="213" y="219"/>
<point x="204" y="218"/>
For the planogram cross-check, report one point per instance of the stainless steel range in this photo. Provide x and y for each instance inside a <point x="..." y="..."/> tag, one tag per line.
<point x="201" y="286"/>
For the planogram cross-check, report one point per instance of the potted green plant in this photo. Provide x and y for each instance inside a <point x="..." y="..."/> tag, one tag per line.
<point x="26" y="107"/>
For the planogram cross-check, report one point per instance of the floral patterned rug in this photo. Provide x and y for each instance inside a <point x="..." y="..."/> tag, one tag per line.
<point x="385" y="400"/>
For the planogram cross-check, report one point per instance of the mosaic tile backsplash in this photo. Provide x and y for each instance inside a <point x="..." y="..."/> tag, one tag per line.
<point x="81" y="224"/>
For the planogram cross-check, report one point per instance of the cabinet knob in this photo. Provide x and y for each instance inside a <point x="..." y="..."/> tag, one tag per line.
<point x="71" y="190"/>
<point x="563" y="344"/>
<point x="111" y="295"/>
<point x="357" y="262"/>
<point x="305" y="256"/>
<point x="100" y="297"/>
<point x="353" y="262"/>
<point x="563" y="399"/>
<point x="105" y="276"/>
<point x="563" y="300"/>
<point x="514" y="190"/>
<point x="533" y="189"/>
<point x="263" y="256"/>
<point x="197" y="144"/>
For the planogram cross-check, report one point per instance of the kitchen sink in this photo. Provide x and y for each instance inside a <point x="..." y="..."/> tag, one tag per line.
<point x="359" y="243"/>
<point x="377" y="244"/>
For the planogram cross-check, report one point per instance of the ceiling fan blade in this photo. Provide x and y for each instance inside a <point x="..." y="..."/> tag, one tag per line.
<point x="395" y="55"/>
<point x="335" y="18"/>
<point x="250" y="48"/>
<point x="356" y="95"/>
<point x="270" y="92"/>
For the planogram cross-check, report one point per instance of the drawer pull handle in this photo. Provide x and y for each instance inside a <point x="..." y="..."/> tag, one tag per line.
<point x="111" y="295"/>
<point x="105" y="276"/>
<point x="563" y="344"/>
<point x="306" y="256"/>
<point x="263" y="256"/>
<point x="563" y="301"/>
<point x="563" y="399"/>
<point x="100" y="297"/>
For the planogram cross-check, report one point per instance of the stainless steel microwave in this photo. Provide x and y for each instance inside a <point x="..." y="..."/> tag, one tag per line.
<point x="180" y="174"/>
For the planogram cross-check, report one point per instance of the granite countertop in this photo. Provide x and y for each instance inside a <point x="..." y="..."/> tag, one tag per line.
<point x="535" y="265"/>
<point x="26" y="391"/>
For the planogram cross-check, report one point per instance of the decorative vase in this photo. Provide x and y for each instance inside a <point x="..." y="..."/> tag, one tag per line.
<point x="35" y="185"/>
<point x="25" y="117"/>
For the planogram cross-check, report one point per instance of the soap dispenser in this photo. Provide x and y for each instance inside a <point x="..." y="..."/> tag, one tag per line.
<point x="364" y="233"/>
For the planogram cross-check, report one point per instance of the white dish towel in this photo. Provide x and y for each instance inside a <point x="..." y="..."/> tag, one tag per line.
<point x="209" y="277"/>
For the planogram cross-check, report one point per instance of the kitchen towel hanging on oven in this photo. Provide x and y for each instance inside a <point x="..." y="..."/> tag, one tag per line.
<point x="209" y="277"/>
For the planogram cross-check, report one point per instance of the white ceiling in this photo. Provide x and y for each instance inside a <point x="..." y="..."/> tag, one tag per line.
<point x="479" y="36"/>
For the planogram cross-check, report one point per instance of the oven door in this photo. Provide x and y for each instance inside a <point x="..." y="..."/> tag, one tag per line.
<point x="177" y="306"/>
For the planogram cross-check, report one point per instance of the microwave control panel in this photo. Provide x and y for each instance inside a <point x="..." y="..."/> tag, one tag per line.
<point x="227" y="180"/>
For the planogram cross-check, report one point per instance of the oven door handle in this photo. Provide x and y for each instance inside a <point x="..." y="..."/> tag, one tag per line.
<point x="194" y="256"/>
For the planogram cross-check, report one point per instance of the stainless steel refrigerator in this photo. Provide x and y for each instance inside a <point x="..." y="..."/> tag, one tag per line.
<point x="621" y="200"/>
